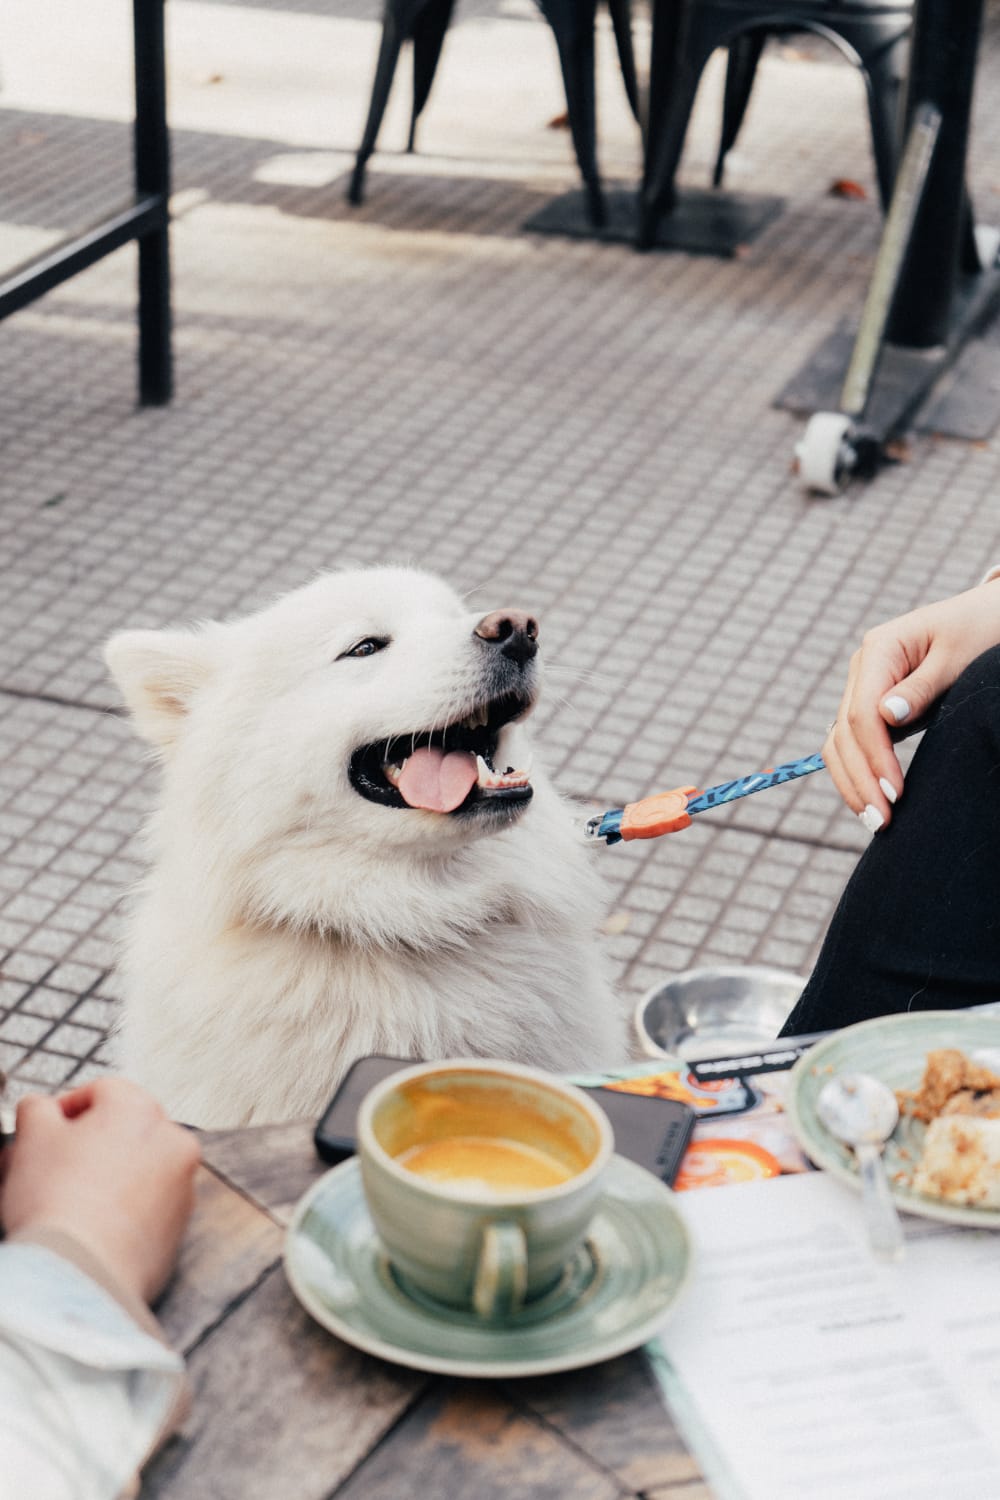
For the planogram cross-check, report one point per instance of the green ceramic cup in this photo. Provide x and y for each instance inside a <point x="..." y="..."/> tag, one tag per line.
<point x="481" y="1178"/>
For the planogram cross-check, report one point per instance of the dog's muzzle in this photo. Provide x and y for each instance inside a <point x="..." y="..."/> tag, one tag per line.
<point x="456" y="769"/>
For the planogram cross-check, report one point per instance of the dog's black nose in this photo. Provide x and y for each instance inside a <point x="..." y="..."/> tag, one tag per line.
<point x="515" y="632"/>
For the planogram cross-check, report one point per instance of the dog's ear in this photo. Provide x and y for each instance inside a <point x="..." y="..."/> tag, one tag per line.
<point x="159" y="672"/>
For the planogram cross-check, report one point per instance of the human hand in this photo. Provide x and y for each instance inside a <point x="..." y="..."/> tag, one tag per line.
<point x="897" y="674"/>
<point x="104" y="1165"/>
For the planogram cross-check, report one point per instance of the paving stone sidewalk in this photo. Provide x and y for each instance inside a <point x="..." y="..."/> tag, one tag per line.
<point x="560" y="423"/>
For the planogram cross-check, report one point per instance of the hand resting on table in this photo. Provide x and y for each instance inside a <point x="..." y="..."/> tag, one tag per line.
<point x="104" y="1165"/>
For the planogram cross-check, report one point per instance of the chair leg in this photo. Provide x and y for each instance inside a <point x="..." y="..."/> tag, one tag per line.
<point x="152" y="178"/>
<point x="659" y="196"/>
<point x="744" y="55"/>
<point x="680" y="49"/>
<point x="429" y="29"/>
<point x="884" y="74"/>
<point x="969" y="260"/>
<point x="385" y="68"/>
<point x="573" y="28"/>
<point x="156" y="381"/>
<point x="620" y="12"/>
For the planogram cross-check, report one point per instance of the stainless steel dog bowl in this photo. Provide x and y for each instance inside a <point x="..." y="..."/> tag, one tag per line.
<point x="708" y="1012"/>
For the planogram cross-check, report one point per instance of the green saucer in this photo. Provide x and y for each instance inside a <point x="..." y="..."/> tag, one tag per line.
<point x="613" y="1296"/>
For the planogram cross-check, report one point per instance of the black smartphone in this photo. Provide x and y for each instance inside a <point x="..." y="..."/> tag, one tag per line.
<point x="653" y="1132"/>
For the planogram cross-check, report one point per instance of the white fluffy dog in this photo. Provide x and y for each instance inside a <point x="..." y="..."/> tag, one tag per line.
<point x="348" y="856"/>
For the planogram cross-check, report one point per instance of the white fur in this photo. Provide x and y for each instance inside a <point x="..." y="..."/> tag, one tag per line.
<point x="287" y="925"/>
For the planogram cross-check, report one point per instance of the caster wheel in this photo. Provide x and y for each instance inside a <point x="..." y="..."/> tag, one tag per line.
<point x="826" y="453"/>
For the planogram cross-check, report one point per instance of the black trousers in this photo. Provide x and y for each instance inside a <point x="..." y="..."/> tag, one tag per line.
<point x="918" y="926"/>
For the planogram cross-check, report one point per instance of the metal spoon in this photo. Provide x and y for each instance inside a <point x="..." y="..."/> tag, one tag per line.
<point x="862" y="1111"/>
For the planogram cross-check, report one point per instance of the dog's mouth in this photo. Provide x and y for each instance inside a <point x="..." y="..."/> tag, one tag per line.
<point x="445" y="770"/>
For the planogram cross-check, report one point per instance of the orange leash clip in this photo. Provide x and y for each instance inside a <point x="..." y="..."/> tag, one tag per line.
<point x="665" y="813"/>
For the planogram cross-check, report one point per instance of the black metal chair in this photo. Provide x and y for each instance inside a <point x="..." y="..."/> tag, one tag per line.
<point x="872" y="35"/>
<point x="424" y="23"/>
<point x="146" y="219"/>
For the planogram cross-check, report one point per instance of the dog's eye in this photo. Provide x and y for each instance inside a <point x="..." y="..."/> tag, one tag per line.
<point x="367" y="647"/>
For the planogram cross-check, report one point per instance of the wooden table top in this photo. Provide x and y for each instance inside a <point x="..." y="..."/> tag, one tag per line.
<point x="284" y="1411"/>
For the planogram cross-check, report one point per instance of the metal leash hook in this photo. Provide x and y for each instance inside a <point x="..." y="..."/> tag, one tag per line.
<point x="667" y="812"/>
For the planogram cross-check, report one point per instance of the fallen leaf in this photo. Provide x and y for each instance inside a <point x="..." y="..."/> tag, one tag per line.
<point x="844" y="187"/>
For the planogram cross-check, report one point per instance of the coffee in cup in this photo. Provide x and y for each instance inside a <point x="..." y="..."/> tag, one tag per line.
<point x="481" y="1178"/>
<point x="484" y="1164"/>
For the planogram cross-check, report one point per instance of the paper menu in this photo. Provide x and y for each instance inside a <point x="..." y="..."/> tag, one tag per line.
<point x="800" y="1366"/>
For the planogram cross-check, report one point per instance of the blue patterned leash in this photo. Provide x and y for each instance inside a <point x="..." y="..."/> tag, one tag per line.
<point x="666" y="812"/>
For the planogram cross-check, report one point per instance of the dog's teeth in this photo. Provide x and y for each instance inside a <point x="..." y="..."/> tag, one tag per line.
<point x="392" y="771"/>
<point x="510" y="777"/>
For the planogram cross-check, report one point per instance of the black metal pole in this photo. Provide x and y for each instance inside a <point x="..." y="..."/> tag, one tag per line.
<point x="152" y="178"/>
<point x="942" y="70"/>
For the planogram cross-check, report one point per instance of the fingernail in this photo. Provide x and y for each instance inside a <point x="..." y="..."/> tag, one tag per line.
<point x="898" y="707"/>
<point x="888" y="789"/>
<point x="871" y="818"/>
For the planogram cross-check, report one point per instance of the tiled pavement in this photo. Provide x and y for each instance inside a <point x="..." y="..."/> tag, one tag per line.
<point x="562" y="423"/>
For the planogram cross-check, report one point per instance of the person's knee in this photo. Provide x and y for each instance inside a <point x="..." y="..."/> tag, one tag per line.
<point x="987" y="666"/>
<point x="975" y="695"/>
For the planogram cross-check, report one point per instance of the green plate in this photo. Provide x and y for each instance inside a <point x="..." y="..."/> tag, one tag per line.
<point x="893" y="1048"/>
<point x="613" y="1297"/>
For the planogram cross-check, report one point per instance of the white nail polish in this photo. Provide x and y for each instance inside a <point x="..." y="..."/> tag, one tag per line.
<point x="888" y="789"/>
<point x="898" y="707"/>
<point x="871" y="818"/>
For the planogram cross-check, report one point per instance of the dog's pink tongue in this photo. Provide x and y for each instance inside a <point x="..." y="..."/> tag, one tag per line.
<point x="436" y="781"/>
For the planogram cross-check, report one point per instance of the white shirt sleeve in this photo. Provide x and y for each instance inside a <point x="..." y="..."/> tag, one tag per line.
<point x="85" y="1392"/>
